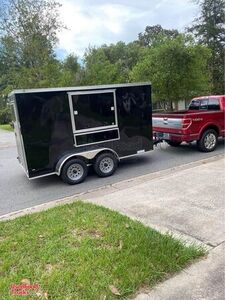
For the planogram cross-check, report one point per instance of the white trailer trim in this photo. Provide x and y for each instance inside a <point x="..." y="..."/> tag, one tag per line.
<point x="77" y="88"/>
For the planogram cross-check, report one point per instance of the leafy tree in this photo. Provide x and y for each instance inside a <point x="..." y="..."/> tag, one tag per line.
<point x="154" y="35"/>
<point x="71" y="71"/>
<point x="98" y="68"/>
<point x="5" y="115"/>
<point x="71" y="63"/>
<point x="209" y="30"/>
<point x="124" y="56"/>
<point x="177" y="70"/>
<point x="23" y="19"/>
<point x="28" y="36"/>
<point x="111" y="63"/>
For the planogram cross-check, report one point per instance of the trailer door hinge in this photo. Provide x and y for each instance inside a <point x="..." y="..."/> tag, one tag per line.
<point x="75" y="112"/>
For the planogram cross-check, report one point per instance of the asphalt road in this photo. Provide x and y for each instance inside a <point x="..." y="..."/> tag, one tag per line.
<point x="17" y="192"/>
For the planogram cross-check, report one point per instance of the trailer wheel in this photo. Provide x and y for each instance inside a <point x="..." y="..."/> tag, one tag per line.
<point x="208" y="141"/>
<point x="105" y="164"/>
<point x="74" y="171"/>
<point x="173" y="143"/>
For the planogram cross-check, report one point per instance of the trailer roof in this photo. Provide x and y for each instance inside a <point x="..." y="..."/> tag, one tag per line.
<point x="76" y="88"/>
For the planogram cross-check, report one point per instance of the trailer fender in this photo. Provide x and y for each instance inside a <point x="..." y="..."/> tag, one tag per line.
<point x="87" y="155"/>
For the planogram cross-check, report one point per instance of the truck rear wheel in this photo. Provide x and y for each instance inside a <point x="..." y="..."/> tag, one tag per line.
<point x="208" y="141"/>
<point x="105" y="164"/>
<point x="74" y="171"/>
<point x="173" y="143"/>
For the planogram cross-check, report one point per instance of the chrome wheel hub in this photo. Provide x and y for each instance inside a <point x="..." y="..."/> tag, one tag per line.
<point x="106" y="165"/>
<point x="210" y="141"/>
<point x="75" y="172"/>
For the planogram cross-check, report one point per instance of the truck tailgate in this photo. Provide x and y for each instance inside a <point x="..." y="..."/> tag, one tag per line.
<point x="167" y="122"/>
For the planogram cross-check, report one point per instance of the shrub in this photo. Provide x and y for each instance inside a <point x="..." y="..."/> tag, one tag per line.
<point x="5" y="115"/>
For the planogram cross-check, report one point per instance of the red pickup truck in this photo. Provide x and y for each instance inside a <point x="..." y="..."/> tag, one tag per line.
<point x="203" y="121"/>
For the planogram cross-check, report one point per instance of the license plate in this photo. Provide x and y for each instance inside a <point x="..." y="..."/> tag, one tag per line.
<point x="164" y="136"/>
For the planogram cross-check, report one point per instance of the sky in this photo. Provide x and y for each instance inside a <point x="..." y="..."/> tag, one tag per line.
<point x="98" y="22"/>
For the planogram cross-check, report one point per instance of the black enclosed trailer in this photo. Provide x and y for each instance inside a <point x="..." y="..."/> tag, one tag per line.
<point x="64" y="130"/>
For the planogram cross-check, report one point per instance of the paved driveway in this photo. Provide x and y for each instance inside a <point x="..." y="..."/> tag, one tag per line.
<point x="17" y="192"/>
<point x="189" y="201"/>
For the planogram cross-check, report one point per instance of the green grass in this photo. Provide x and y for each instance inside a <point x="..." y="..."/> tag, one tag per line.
<point x="78" y="251"/>
<point x="6" y="127"/>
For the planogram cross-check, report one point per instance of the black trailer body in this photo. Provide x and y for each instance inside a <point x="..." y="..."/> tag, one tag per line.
<point x="56" y="125"/>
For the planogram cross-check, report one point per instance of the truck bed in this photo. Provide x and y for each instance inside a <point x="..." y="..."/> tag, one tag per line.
<point x="172" y="121"/>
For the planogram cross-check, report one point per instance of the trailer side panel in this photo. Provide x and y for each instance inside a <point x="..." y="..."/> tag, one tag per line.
<point x="52" y="127"/>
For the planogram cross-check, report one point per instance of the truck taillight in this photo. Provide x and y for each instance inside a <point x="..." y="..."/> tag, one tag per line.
<point x="186" y="123"/>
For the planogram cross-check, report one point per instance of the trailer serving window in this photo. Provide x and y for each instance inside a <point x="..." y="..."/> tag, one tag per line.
<point x="93" y="116"/>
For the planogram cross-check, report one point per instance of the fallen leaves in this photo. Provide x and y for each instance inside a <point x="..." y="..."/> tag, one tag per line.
<point x="120" y="245"/>
<point x="94" y="233"/>
<point x="91" y="233"/>
<point x="49" y="268"/>
<point x="2" y="238"/>
<point x="42" y="295"/>
<point x="114" y="290"/>
<point x="25" y="281"/>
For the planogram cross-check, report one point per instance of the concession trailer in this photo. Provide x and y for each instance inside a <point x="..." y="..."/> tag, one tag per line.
<point x="63" y="131"/>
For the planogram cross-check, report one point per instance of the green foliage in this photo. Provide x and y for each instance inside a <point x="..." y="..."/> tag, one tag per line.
<point x="124" y="56"/>
<point x="28" y="36"/>
<point x="98" y="68"/>
<point x="8" y="127"/>
<point x="155" y="35"/>
<point x="209" y="30"/>
<point x="5" y="115"/>
<point x="177" y="67"/>
<point x="177" y="70"/>
<point x="71" y="72"/>
<point x="110" y="64"/>
<point x="26" y="20"/>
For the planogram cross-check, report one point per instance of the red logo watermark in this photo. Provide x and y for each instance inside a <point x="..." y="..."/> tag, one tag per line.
<point x="23" y="289"/>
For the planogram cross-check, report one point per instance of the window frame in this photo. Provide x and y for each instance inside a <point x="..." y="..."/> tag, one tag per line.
<point x="215" y="99"/>
<point x="92" y="130"/>
<point x="71" y="94"/>
<point x="96" y="132"/>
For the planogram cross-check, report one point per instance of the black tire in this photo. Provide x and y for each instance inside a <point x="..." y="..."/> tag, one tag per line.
<point x="105" y="164"/>
<point x="208" y="141"/>
<point x="74" y="171"/>
<point x="173" y="143"/>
